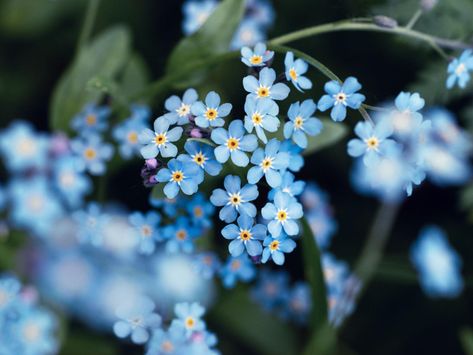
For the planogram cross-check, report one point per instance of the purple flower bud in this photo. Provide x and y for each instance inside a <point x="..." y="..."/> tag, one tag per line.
<point x="256" y="259"/>
<point x="385" y="21"/>
<point x="151" y="163"/>
<point x="427" y="5"/>
<point x="59" y="144"/>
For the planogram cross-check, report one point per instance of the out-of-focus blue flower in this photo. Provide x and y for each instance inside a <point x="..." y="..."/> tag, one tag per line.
<point x="295" y="70"/>
<point x="127" y="136"/>
<point x="72" y="183"/>
<point x="261" y="11"/>
<point x="234" y="143"/>
<point x="180" y="110"/>
<point x="180" y="236"/>
<point x="34" y="205"/>
<point x="256" y="57"/>
<point x="437" y="263"/>
<point x="314" y="197"/>
<point x="180" y="175"/>
<point x="9" y="289"/>
<point x="261" y="115"/>
<point x="296" y="161"/>
<point x="92" y="119"/>
<point x="210" y="113"/>
<point x="146" y="226"/>
<point x="373" y="141"/>
<point x="298" y="303"/>
<point x="92" y="153"/>
<point x="244" y="236"/>
<point x="91" y="222"/>
<point x="170" y="342"/>
<point x="169" y="206"/>
<point x="22" y="148"/>
<point x="264" y="87"/>
<point x="235" y="199"/>
<point x="335" y="273"/>
<point x="459" y="70"/>
<point x="288" y="185"/>
<point x="189" y="317"/>
<point x="196" y="13"/>
<point x="159" y="141"/>
<point x="406" y="118"/>
<point x="271" y="289"/>
<point x="268" y="162"/>
<point x="203" y="155"/>
<point x="237" y="269"/>
<point x="136" y="320"/>
<point x="340" y="96"/>
<point x="282" y="214"/>
<point x="3" y="198"/>
<point x="207" y="264"/>
<point x="323" y="227"/>
<point x="200" y="211"/>
<point x="275" y="247"/>
<point x="248" y="33"/>
<point x="301" y="123"/>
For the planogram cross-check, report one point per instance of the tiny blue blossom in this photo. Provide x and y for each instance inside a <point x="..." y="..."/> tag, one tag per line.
<point x="93" y="153"/>
<point x="200" y="211"/>
<point x="244" y="236"/>
<point x="276" y="247"/>
<point x="92" y="119"/>
<point x="298" y="303"/>
<point x="189" y="316"/>
<point x="207" y="264"/>
<point x="235" y="199"/>
<point x="159" y="141"/>
<point x="237" y="269"/>
<point x="146" y="226"/>
<point x="71" y="183"/>
<point x="405" y="117"/>
<point x="126" y="134"/>
<point x="257" y="57"/>
<point x="248" y="33"/>
<point x="196" y="13"/>
<point x="271" y="289"/>
<point x="459" y="70"/>
<point x="296" y="161"/>
<point x="264" y="87"/>
<point x="340" y="96"/>
<point x="261" y="115"/>
<point x="169" y="342"/>
<point x="295" y="69"/>
<point x="233" y="143"/>
<point x="210" y="113"/>
<point x="180" y="236"/>
<point x="9" y="289"/>
<point x="91" y="222"/>
<point x="180" y="110"/>
<point x="203" y="155"/>
<point x="301" y="122"/>
<point x="288" y="185"/>
<point x="282" y="214"/>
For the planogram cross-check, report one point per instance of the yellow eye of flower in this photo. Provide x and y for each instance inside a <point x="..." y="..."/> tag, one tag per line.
<point x="282" y="215"/>
<point x="235" y="265"/>
<point x="167" y="347"/>
<point x="160" y="139"/>
<point x="372" y="143"/>
<point x="146" y="231"/>
<point x="26" y="146"/>
<point x="257" y="119"/>
<point x="232" y="144"/>
<point x="460" y="69"/>
<point x="133" y="137"/>
<point x="267" y="163"/>
<point x="198" y="211"/>
<point x="211" y="114"/>
<point x="256" y="59"/>
<point x="190" y="322"/>
<point x="181" y="234"/>
<point x="293" y="74"/>
<point x="263" y="91"/>
<point x="274" y="245"/>
<point x="177" y="176"/>
<point x="245" y="235"/>
<point x="91" y="120"/>
<point x="235" y="199"/>
<point x="183" y="110"/>
<point x="341" y="97"/>
<point x="298" y="122"/>
<point x="199" y="158"/>
<point x="90" y="153"/>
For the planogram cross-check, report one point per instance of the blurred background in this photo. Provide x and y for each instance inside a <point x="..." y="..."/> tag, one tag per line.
<point x="37" y="43"/>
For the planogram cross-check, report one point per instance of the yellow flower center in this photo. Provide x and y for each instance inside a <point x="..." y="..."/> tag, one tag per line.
<point x="167" y="346"/>
<point x="190" y="322"/>
<point x="274" y="245"/>
<point x="31" y="332"/>
<point x="235" y="265"/>
<point x="293" y="74"/>
<point x="263" y="91"/>
<point x="160" y="139"/>
<point x="67" y="179"/>
<point x="232" y="143"/>
<point x="91" y="120"/>
<point x="281" y="215"/>
<point x="298" y="122"/>
<point x="211" y="114"/>
<point x="181" y="234"/>
<point x="256" y="59"/>
<point x="198" y="211"/>
<point x="199" y="158"/>
<point x="132" y="137"/>
<point x="245" y="235"/>
<point x="460" y="69"/>
<point x="177" y="176"/>
<point x="90" y="153"/>
<point x="146" y="231"/>
<point x="26" y="146"/>
<point x="267" y="163"/>
<point x="183" y="110"/>
<point x="235" y="199"/>
<point x="372" y="143"/>
<point x="257" y="119"/>
<point x="341" y="97"/>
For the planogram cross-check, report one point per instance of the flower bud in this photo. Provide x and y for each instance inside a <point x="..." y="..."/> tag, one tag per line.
<point x="427" y="5"/>
<point x="385" y="21"/>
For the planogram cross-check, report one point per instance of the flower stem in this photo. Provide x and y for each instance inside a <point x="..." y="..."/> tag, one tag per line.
<point x="414" y="19"/>
<point x="89" y="19"/>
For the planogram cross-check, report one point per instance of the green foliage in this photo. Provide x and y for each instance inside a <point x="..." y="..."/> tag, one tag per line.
<point x="82" y="342"/>
<point x="332" y="133"/>
<point x="466" y="338"/>
<point x="104" y="57"/>
<point x="135" y="76"/>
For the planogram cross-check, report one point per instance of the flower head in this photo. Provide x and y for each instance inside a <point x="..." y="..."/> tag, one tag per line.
<point x="264" y="87"/>
<point x="203" y="155"/>
<point x="189" y="316"/>
<point x="127" y="133"/>
<point x="92" y="119"/>
<point x="248" y="33"/>
<point x="245" y="236"/>
<point x="257" y="57"/>
<point x="459" y="70"/>
<point x="405" y="118"/>
<point x="282" y="214"/>
<point x="72" y="183"/>
<point x="237" y="269"/>
<point x="159" y="141"/>
<point x="301" y="122"/>
<point x="288" y="185"/>
<point x="276" y="247"/>
<point x="180" y="110"/>
<point x="261" y="115"/>
<point x="210" y="113"/>
<point x="92" y="153"/>
<point x="146" y="226"/>
<point x="180" y="236"/>
<point x="295" y="69"/>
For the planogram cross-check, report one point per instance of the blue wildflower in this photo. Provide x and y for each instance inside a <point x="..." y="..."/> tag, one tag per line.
<point x="189" y="316"/>
<point x="200" y="211"/>
<point x="282" y="214"/>
<point x="211" y="113"/>
<point x="373" y="141"/>
<point x="298" y="303"/>
<point x="71" y="183"/>
<point x="276" y="247"/>
<point x="237" y="269"/>
<point x="405" y="118"/>
<point x="459" y="70"/>
<point x="196" y="13"/>
<point x="268" y="162"/>
<point x="288" y="185"/>
<point x="271" y="289"/>
<point x="92" y="119"/>
<point x="233" y="143"/>
<point x="322" y="225"/>
<point x="180" y="110"/>
<point x="180" y="175"/>
<point x="244" y="236"/>
<point x="91" y="222"/>
<point x="296" y="161"/>
<point x="340" y="96"/>
<point x="166" y="342"/>
<point x="301" y="122"/>
<point x="261" y="115"/>
<point x="127" y="136"/>
<point x="207" y="264"/>
<point x="136" y="320"/>
<point x="148" y="233"/>
<point x="9" y="289"/>
<point x="264" y="86"/>
<point x="180" y="236"/>
<point x="93" y="153"/>
<point x="159" y="141"/>
<point x="295" y="70"/>
<point x="203" y="155"/>
<point x="257" y="57"/>
<point x="248" y="33"/>
<point x="235" y="199"/>
<point x="261" y="11"/>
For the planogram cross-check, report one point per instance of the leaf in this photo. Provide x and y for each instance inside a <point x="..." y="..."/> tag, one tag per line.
<point x="332" y="133"/>
<point x="466" y="338"/>
<point x="203" y="140"/>
<point x="135" y="76"/>
<point x="238" y="316"/>
<point x="80" y="342"/>
<point x="104" y="57"/>
<point x="212" y="38"/>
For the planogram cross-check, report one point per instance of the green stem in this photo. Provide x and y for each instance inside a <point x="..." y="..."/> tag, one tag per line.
<point x="414" y="19"/>
<point x="90" y="15"/>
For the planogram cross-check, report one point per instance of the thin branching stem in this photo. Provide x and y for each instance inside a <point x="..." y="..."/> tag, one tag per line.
<point x="89" y="19"/>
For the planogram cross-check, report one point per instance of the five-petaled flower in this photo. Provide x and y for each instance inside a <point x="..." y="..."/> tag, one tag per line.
<point x="265" y="87"/>
<point x="159" y="141"/>
<point x="189" y="316"/>
<point x="245" y="236"/>
<point x="282" y="214"/>
<point x="301" y="122"/>
<point x="261" y="115"/>
<point x="276" y="247"/>
<point x="210" y="114"/>
<point x="203" y="155"/>
<point x="459" y="70"/>
<point x="180" y="110"/>
<point x="295" y="70"/>
<point x="257" y="57"/>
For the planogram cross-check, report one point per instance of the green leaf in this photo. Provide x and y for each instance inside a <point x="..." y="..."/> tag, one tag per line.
<point x="212" y="38"/>
<point x="135" y="76"/>
<point x="104" y="57"/>
<point x="466" y="338"/>
<point x="80" y="342"/>
<point x="248" y="323"/>
<point x="332" y="133"/>
<point x="203" y="140"/>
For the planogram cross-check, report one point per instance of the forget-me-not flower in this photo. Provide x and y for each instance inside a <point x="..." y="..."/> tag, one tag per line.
<point x="459" y="70"/>
<point x="261" y="115"/>
<point x="189" y="316"/>
<point x="180" y="110"/>
<point x="93" y="153"/>
<point x="282" y="214"/>
<point x="256" y="57"/>
<point x="159" y="141"/>
<point x="127" y="136"/>
<point x="238" y="268"/>
<point x="248" y="33"/>
<point x="196" y="13"/>
<point x="180" y="175"/>
<point x="146" y="226"/>
<point x="180" y="236"/>
<point x="288" y="185"/>
<point x="295" y="69"/>
<point x="245" y="235"/>
<point x="276" y="247"/>
<point x="92" y="119"/>
<point x="72" y="183"/>
<point x="301" y="122"/>
<point x="264" y="86"/>
<point x="210" y="113"/>
<point x="203" y="155"/>
<point x="405" y="118"/>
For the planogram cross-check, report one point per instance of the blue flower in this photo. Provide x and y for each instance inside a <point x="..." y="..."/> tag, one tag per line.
<point x="459" y="70"/>
<point x="91" y="222"/>
<point x="261" y="115"/>
<point x="244" y="236"/>
<point x="196" y="13"/>
<point x="301" y="123"/>
<point x="180" y="236"/>
<point x="9" y="289"/>
<point x="200" y="211"/>
<point x="323" y="226"/>
<point x="146" y="226"/>
<point x="71" y="183"/>
<point x="261" y="11"/>
<point x="180" y="110"/>
<point x="405" y="118"/>
<point x="268" y="162"/>
<point x="282" y="214"/>
<point x="203" y="155"/>
<point x="257" y="57"/>
<point x="276" y="247"/>
<point x="127" y="136"/>
<point x="159" y="141"/>
<point x="136" y="319"/>
<point x="210" y="114"/>
<point x="248" y="33"/>
<point x="437" y="263"/>
<point x="92" y="119"/>
<point x="341" y="96"/>
<point x="93" y="153"/>
<point x="335" y="274"/>
<point x="264" y="86"/>
<point x="235" y="269"/>
<point x="295" y="70"/>
<point x="288" y="185"/>
<point x="296" y="161"/>
<point x="233" y="143"/>
<point x="180" y="175"/>
<point x="207" y="264"/>
<point x="189" y="316"/>
<point x="235" y="199"/>
<point x="298" y="303"/>
<point x="373" y="141"/>
<point x="271" y="289"/>
<point x="170" y="342"/>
